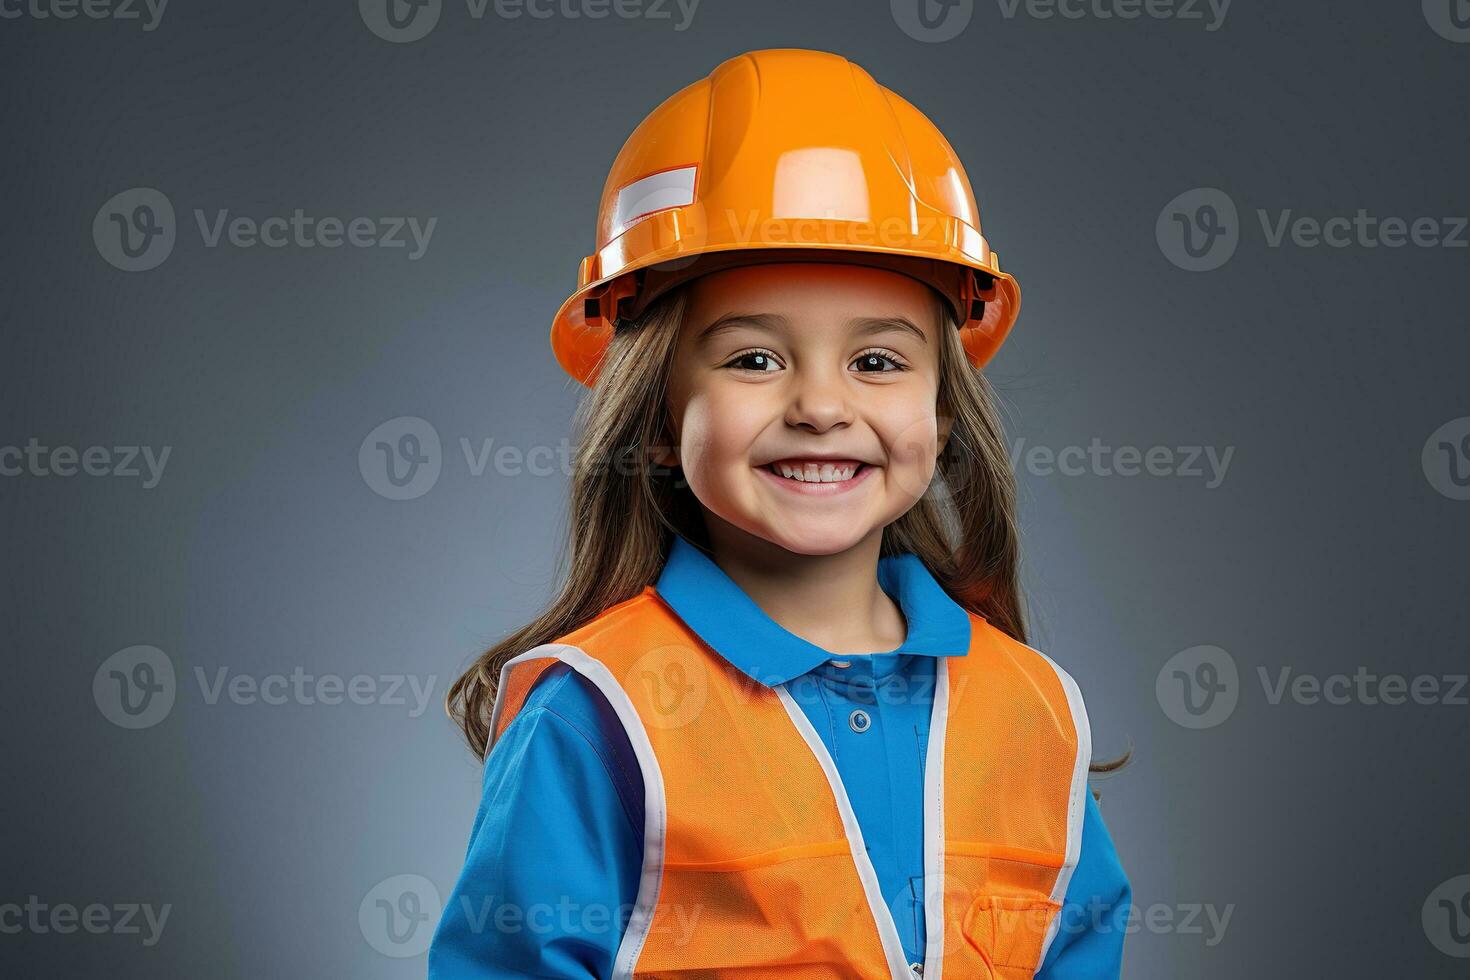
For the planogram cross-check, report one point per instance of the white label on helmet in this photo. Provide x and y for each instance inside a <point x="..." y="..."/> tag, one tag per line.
<point x="656" y="192"/>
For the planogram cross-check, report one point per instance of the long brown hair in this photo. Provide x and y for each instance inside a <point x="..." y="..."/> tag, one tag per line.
<point x="624" y="506"/>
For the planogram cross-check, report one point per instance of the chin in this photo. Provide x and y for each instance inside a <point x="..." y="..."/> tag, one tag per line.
<point x="813" y="541"/>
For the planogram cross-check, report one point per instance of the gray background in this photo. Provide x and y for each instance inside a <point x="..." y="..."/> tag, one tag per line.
<point x="264" y="549"/>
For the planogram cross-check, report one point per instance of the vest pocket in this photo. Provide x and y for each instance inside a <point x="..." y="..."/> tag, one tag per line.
<point x="1008" y="932"/>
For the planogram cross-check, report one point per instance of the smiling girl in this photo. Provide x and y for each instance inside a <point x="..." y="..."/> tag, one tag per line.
<point x="781" y="720"/>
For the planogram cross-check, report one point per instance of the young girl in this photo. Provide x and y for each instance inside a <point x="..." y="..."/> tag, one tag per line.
<point x="781" y="720"/>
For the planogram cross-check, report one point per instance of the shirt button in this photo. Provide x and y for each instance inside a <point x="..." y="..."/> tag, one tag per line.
<point x="840" y="663"/>
<point x="859" y="721"/>
<point x="918" y="969"/>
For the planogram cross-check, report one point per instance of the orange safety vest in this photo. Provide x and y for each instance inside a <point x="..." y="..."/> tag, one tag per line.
<point x="753" y="862"/>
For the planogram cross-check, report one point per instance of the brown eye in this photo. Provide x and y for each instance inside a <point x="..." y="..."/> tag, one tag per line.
<point x="871" y="362"/>
<point x="753" y="360"/>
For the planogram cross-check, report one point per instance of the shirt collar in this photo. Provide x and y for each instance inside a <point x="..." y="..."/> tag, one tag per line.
<point x="716" y="608"/>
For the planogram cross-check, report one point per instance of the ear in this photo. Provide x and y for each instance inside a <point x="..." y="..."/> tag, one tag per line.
<point x="946" y="423"/>
<point x="665" y="450"/>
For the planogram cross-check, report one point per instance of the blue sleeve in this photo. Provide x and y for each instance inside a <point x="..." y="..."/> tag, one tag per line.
<point x="556" y="850"/>
<point x="1089" y="941"/>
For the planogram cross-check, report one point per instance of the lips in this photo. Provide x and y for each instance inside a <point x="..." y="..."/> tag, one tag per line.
<point x="818" y="460"/>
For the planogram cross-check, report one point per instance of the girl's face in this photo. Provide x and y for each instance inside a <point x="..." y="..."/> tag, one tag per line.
<point x="826" y="370"/>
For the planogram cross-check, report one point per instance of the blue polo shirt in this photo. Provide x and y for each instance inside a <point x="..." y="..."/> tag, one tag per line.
<point x="556" y="850"/>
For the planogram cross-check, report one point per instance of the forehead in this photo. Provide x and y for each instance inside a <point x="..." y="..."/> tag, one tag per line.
<point x="813" y="292"/>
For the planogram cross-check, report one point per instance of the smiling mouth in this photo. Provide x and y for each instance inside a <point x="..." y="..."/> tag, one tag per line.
<point x="816" y="471"/>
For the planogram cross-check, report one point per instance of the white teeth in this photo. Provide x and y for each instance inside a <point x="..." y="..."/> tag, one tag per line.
<point x="815" y="472"/>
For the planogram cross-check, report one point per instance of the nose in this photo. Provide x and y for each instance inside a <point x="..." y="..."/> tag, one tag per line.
<point x="819" y="401"/>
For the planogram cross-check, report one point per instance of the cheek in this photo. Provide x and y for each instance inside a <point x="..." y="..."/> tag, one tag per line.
<point x="912" y="439"/>
<point x="716" y="436"/>
<point x="911" y="442"/>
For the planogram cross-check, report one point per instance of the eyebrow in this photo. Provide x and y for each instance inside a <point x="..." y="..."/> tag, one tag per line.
<point x="773" y="323"/>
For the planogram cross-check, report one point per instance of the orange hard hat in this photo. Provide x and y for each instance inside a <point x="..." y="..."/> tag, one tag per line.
<point x="783" y="155"/>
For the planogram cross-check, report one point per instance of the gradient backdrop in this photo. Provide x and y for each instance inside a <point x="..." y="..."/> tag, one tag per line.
<point x="1244" y="445"/>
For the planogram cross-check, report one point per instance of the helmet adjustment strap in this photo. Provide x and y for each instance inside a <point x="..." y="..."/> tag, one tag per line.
<point x="613" y="304"/>
<point x="979" y="290"/>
